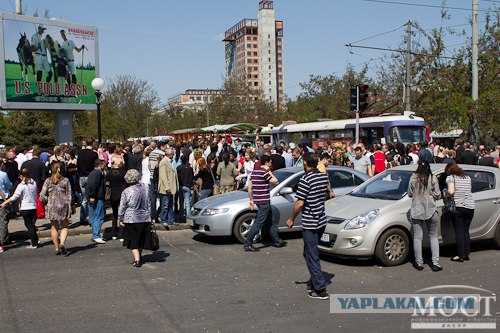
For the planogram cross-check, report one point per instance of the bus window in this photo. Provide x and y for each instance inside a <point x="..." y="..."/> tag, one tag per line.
<point x="407" y="134"/>
<point x="372" y="135"/>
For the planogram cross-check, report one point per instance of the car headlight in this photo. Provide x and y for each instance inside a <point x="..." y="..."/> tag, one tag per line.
<point x="362" y="220"/>
<point x="214" y="211"/>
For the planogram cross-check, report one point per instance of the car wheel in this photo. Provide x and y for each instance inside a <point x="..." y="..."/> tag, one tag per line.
<point x="392" y="248"/>
<point x="242" y="226"/>
<point x="496" y="237"/>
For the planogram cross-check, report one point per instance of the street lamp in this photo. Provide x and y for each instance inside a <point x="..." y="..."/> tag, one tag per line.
<point x="98" y="85"/>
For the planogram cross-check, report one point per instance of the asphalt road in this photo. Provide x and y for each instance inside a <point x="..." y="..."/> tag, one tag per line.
<point x="200" y="284"/>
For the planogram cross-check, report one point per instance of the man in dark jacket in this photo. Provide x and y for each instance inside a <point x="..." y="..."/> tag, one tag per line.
<point x="85" y="164"/>
<point x="96" y="191"/>
<point x="468" y="155"/>
<point x="277" y="159"/>
<point x="424" y="153"/>
<point x="36" y="169"/>
<point x="135" y="160"/>
<point x="185" y="176"/>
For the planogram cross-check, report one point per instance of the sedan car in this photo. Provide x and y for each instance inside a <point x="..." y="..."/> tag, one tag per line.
<point x="372" y="220"/>
<point x="229" y="214"/>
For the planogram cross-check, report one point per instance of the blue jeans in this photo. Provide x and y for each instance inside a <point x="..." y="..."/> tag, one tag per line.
<point x="418" y="234"/>
<point x="311" y="255"/>
<point x="167" y="209"/>
<point x="84" y="209"/>
<point x="264" y="217"/>
<point x="185" y="197"/>
<point x="205" y="194"/>
<point x="96" y="214"/>
<point x="153" y="196"/>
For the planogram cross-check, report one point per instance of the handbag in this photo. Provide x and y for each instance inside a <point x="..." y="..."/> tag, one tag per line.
<point x="107" y="191"/>
<point x="40" y="209"/>
<point x="155" y="241"/>
<point x="449" y="204"/>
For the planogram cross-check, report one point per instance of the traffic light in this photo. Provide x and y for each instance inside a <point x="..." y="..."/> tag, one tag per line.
<point x="353" y="104"/>
<point x="363" y="96"/>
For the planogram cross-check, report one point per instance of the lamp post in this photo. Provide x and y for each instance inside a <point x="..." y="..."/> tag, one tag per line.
<point x="98" y="85"/>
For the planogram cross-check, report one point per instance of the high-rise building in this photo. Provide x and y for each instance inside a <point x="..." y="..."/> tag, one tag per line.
<point x="254" y="53"/>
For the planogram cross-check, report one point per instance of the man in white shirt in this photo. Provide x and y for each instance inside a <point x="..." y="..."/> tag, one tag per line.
<point x="68" y="46"/>
<point x="39" y="48"/>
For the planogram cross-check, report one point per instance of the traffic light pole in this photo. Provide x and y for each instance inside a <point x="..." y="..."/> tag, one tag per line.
<point x="357" y="115"/>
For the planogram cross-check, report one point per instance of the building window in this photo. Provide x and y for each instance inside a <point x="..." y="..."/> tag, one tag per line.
<point x="249" y="46"/>
<point x="279" y="47"/>
<point x="280" y="84"/>
<point x="279" y="61"/>
<point x="249" y="68"/>
<point x="254" y="38"/>
<point x="256" y="68"/>
<point x="249" y="61"/>
<point x="269" y="59"/>
<point x="256" y="84"/>
<point x="269" y="74"/>
<point x="269" y="44"/>
<point x="280" y="76"/>
<point x="249" y="38"/>
<point x="270" y="82"/>
<point x="269" y="66"/>
<point x="255" y="54"/>
<point x="280" y="92"/>
<point x="269" y="51"/>
<point x="249" y="53"/>
<point x="198" y="98"/>
<point x="249" y="76"/>
<point x="205" y="98"/>
<point x="255" y="61"/>
<point x="191" y="98"/>
<point x="279" y="40"/>
<point x="279" y="54"/>
<point x="254" y="46"/>
<point x="256" y="76"/>
<point x="280" y="69"/>
<point x="268" y="36"/>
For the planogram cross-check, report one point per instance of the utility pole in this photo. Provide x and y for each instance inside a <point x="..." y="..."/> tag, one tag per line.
<point x="19" y="7"/>
<point x="408" y="66"/>
<point x="475" y="78"/>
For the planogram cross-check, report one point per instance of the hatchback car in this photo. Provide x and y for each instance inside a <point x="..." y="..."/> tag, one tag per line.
<point x="372" y="220"/>
<point x="229" y="214"/>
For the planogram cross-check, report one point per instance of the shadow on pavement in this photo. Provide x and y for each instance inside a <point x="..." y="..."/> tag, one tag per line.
<point x="214" y="240"/>
<point x="74" y="250"/>
<point x="158" y="256"/>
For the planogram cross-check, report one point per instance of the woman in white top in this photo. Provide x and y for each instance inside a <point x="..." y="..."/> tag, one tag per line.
<point x="460" y="188"/>
<point x="26" y="192"/>
<point x="248" y="166"/>
<point x="145" y="172"/>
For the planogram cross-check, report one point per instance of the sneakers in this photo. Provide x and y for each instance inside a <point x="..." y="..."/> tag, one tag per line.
<point x="318" y="294"/>
<point x="436" y="268"/>
<point x="99" y="241"/>
<point x="121" y="240"/>
<point x="250" y="248"/>
<point x="1" y="249"/>
<point x="114" y="238"/>
<point x="32" y="247"/>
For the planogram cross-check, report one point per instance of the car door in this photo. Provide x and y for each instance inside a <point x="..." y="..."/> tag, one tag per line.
<point x="485" y="194"/>
<point x="282" y="204"/>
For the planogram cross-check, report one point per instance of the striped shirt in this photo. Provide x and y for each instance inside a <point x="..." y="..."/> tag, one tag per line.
<point x="313" y="186"/>
<point x="260" y="186"/>
<point x="153" y="159"/>
<point x="463" y="191"/>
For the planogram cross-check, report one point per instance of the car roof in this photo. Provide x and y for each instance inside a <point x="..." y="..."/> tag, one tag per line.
<point x="439" y="167"/>
<point x="330" y="167"/>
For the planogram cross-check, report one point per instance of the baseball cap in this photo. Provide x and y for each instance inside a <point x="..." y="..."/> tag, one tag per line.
<point x="41" y="27"/>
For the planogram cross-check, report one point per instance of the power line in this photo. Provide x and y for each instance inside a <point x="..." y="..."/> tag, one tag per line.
<point x="400" y="51"/>
<point x="380" y="34"/>
<point x="424" y="5"/>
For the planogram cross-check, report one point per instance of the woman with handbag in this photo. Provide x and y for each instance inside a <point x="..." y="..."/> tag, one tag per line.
<point x="134" y="216"/>
<point x="460" y="189"/>
<point x="26" y="193"/>
<point x="424" y="191"/>
<point x="56" y="193"/>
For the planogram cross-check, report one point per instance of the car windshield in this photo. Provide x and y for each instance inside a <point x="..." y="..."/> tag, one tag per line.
<point x="389" y="185"/>
<point x="281" y="175"/>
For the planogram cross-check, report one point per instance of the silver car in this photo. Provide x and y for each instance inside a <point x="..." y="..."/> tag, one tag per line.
<point x="229" y="214"/>
<point x="372" y="220"/>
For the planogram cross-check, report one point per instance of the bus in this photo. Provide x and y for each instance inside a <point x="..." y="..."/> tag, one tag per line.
<point x="386" y="128"/>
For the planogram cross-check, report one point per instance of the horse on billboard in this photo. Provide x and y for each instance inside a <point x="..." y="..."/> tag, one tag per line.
<point x="24" y="52"/>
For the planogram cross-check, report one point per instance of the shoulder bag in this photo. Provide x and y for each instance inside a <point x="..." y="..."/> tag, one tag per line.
<point x="216" y="189"/>
<point x="449" y="204"/>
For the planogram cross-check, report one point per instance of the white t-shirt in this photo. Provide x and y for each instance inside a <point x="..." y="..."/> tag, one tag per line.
<point x="146" y="174"/>
<point x="68" y="46"/>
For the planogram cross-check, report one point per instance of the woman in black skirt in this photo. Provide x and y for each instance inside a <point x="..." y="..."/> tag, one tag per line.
<point x="134" y="215"/>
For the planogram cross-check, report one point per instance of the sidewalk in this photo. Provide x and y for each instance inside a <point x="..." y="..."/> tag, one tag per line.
<point x="18" y="231"/>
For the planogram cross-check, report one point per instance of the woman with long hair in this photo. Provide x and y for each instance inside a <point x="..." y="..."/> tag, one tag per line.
<point x="26" y="192"/>
<point x="56" y="193"/>
<point x="207" y="176"/>
<point x="226" y="172"/>
<point x="116" y="179"/>
<point x="460" y="188"/>
<point x="424" y="191"/>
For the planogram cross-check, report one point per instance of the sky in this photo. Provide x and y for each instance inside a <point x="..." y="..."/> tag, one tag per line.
<point x="177" y="45"/>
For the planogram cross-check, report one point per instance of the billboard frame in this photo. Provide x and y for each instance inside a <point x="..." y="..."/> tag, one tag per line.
<point x="9" y="105"/>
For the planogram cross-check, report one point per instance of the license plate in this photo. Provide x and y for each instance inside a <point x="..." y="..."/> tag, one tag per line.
<point x="325" y="238"/>
<point x="190" y="222"/>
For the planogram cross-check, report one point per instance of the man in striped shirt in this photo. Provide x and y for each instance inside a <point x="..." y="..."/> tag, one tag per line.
<point x="258" y="192"/>
<point x="311" y="194"/>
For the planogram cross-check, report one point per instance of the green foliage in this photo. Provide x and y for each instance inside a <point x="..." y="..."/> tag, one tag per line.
<point x="25" y="128"/>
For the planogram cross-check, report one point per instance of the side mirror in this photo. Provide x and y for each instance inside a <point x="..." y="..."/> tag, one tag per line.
<point x="286" y="190"/>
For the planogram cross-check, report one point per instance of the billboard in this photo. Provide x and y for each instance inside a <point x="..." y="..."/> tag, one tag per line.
<point x="47" y="64"/>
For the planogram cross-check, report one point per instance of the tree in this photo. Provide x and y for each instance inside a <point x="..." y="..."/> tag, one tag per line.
<point x="25" y="128"/>
<point x="127" y="108"/>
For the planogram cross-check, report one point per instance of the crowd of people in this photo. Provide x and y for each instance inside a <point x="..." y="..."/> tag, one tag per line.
<point x="159" y="182"/>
